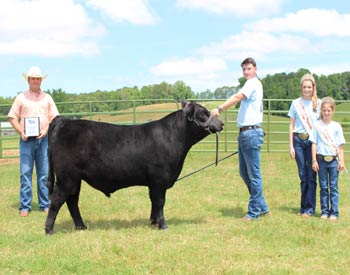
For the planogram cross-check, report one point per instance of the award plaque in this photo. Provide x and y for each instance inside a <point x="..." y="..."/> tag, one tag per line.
<point x="32" y="126"/>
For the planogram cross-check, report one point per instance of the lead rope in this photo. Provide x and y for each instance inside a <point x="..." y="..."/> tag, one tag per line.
<point x="210" y="164"/>
<point x="217" y="160"/>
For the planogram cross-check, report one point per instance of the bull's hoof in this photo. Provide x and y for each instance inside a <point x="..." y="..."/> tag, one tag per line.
<point x="154" y="225"/>
<point x="48" y="231"/>
<point x="159" y="225"/>
<point x="81" y="227"/>
<point x="162" y="227"/>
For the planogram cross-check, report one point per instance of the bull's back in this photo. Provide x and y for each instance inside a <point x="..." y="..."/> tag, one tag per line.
<point x="110" y="157"/>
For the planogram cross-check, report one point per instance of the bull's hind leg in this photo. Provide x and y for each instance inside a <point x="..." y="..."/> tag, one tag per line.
<point x="157" y="196"/>
<point x="58" y="197"/>
<point x="72" y="203"/>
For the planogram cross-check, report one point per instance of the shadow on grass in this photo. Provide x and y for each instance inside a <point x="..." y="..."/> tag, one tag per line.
<point x="291" y="210"/>
<point x="115" y="224"/>
<point x="236" y="212"/>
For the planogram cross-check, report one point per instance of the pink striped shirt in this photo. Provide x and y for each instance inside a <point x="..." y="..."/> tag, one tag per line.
<point x="30" y="104"/>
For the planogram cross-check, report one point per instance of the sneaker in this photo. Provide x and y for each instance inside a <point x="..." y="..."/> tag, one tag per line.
<point x="247" y="219"/>
<point x="23" y="213"/>
<point x="305" y="215"/>
<point x="333" y="218"/>
<point x="266" y="214"/>
<point x="324" y="217"/>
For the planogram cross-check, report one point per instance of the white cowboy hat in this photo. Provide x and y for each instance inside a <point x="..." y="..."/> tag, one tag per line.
<point x="34" y="72"/>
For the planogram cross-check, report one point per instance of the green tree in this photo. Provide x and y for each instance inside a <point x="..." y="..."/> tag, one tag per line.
<point x="180" y="91"/>
<point x="207" y="94"/>
<point x="224" y="92"/>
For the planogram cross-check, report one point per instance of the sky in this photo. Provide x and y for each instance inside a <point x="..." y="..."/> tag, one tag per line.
<point x="90" y="45"/>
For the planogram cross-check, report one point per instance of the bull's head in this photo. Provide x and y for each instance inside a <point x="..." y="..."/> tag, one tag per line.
<point x="201" y="117"/>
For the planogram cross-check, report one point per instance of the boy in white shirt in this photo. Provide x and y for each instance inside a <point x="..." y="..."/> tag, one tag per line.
<point x="250" y="138"/>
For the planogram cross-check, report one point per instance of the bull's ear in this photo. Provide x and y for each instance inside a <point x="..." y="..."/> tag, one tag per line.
<point x="184" y="104"/>
<point x="187" y="109"/>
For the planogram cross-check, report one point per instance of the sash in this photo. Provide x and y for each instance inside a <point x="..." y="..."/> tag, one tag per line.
<point x="327" y="139"/>
<point x="303" y="115"/>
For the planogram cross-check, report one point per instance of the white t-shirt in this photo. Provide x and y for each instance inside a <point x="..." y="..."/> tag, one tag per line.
<point x="313" y="116"/>
<point x="251" y="108"/>
<point x="335" y="132"/>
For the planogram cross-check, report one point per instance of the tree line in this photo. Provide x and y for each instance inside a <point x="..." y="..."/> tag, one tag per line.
<point x="276" y="86"/>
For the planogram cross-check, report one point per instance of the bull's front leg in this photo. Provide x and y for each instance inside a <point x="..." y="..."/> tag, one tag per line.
<point x="157" y="196"/>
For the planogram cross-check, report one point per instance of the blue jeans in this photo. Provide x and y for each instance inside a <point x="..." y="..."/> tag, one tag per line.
<point x="249" y="146"/>
<point x="33" y="151"/>
<point x="328" y="178"/>
<point x="307" y="176"/>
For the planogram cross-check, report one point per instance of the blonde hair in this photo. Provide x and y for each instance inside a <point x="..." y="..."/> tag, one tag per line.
<point x="327" y="100"/>
<point x="314" y="94"/>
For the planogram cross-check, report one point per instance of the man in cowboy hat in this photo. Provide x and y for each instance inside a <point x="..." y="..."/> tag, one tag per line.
<point x="30" y="115"/>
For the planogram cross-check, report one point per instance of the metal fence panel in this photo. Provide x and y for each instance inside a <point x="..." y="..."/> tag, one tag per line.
<point x="131" y="112"/>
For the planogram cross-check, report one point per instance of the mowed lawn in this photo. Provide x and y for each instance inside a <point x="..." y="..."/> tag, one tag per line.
<point x="206" y="234"/>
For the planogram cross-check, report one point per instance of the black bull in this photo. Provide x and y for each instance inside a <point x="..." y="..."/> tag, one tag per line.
<point x="110" y="157"/>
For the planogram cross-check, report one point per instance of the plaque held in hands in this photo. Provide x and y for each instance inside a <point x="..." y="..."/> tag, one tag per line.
<point x="32" y="126"/>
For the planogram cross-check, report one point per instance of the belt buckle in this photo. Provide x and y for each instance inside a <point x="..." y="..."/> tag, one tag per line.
<point x="328" y="158"/>
<point x="303" y="136"/>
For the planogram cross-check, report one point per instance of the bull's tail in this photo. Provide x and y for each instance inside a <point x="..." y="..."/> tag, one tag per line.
<point x="51" y="173"/>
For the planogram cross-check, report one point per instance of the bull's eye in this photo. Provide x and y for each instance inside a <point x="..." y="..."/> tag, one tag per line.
<point x="203" y="117"/>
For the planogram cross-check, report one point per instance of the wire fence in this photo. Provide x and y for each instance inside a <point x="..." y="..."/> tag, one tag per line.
<point x="132" y="112"/>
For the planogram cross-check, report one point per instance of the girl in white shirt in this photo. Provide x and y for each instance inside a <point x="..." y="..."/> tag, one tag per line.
<point x="328" y="158"/>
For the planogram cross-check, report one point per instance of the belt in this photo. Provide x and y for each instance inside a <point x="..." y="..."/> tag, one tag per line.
<point x="303" y="136"/>
<point x="245" y="128"/>
<point x="325" y="158"/>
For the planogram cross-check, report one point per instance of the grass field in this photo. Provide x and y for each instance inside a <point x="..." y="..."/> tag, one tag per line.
<point x="205" y="235"/>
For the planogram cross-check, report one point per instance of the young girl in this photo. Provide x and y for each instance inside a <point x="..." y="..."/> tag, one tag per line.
<point x="303" y="113"/>
<point x="328" y="158"/>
